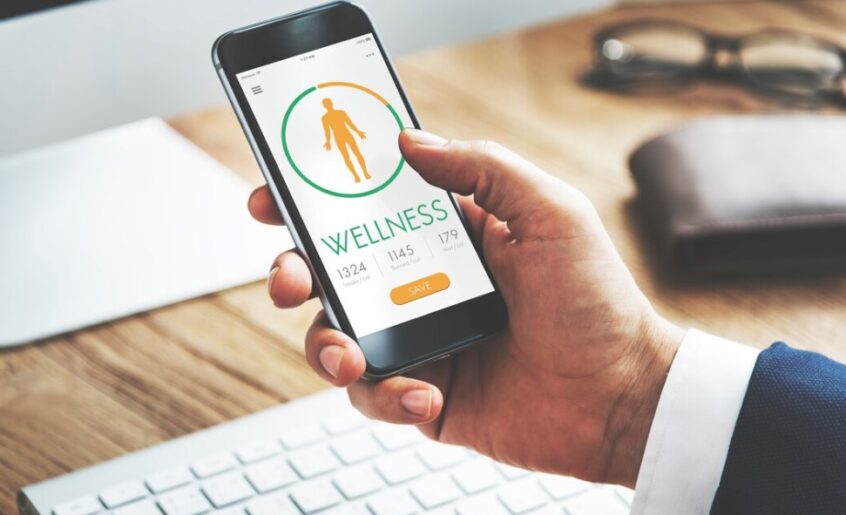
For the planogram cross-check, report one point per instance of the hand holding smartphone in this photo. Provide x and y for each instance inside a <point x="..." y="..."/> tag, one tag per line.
<point x="570" y="387"/>
<point x="322" y="108"/>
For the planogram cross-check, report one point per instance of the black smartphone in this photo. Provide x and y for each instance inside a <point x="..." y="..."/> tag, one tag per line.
<point x="322" y="108"/>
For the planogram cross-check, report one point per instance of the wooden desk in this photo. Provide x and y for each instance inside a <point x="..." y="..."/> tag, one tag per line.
<point x="85" y="397"/>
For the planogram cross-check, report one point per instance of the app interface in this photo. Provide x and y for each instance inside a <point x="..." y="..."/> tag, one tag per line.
<point x="392" y="245"/>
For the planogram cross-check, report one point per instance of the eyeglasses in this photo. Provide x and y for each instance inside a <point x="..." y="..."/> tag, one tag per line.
<point x="650" y="55"/>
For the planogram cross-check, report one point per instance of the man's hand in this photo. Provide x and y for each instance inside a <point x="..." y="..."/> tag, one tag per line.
<point x="362" y="134"/>
<point x="572" y="384"/>
<point x="327" y="145"/>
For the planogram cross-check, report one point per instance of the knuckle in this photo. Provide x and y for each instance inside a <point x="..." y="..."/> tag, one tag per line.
<point x="454" y="145"/>
<point x="485" y="147"/>
<point x="491" y="158"/>
<point x="359" y="398"/>
<point x="492" y="147"/>
<point x="494" y="157"/>
<point x="354" y="397"/>
<point x="313" y="335"/>
<point x="484" y="186"/>
<point x="493" y="151"/>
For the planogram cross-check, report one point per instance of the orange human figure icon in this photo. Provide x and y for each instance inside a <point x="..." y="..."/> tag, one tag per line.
<point x="337" y="123"/>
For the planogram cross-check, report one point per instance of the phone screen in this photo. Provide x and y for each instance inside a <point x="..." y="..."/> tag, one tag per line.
<point x="393" y="246"/>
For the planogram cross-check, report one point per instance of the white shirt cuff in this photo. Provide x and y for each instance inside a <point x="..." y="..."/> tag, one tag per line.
<point x="690" y="435"/>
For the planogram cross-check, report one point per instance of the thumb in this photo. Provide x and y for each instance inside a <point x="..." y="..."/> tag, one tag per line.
<point x="501" y="182"/>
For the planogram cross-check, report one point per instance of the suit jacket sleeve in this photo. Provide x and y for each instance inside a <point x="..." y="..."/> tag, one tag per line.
<point x="689" y="439"/>
<point x="788" y="451"/>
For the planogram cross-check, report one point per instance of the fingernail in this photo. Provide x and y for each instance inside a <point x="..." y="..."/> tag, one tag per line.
<point x="425" y="138"/>
<point x="270" y="279"/>
<point x="418" y="402"/>
<point x="330" y="359"/>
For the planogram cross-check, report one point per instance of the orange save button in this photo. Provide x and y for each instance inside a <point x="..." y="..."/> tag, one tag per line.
<point x="420" y="288"/>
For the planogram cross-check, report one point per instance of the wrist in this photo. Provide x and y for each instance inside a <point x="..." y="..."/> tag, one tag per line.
<point x="631" y="418"/>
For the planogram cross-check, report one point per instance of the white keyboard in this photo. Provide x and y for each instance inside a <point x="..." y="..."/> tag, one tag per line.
<point x="314" y="455"/>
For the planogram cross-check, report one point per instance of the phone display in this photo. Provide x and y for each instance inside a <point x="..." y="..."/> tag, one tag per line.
<point x="393" y="246"/>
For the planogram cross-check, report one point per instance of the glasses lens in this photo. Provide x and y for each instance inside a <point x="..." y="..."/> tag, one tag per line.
<point x="792" y="64"/>
<point x="653" y="49"/>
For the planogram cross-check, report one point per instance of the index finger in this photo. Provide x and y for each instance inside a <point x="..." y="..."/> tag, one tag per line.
<point x="263" y="207"/>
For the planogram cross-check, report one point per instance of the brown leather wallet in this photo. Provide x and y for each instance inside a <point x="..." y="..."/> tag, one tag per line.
<point x="747" y="194"/>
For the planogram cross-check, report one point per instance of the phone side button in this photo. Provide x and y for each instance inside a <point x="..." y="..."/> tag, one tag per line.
<point x="419" y="288"/>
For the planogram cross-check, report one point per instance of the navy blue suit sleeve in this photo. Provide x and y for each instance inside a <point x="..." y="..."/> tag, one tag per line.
<point x="788" y="451"/>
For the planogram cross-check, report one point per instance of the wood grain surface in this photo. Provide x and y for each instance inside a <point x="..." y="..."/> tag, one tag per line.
<point x="88" y="396"/>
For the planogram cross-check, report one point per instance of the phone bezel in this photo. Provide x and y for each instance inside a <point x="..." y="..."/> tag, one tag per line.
<point x="400" y="347"/>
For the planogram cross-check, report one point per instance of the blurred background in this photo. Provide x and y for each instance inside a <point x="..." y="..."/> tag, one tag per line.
<point x="92" y="64"/>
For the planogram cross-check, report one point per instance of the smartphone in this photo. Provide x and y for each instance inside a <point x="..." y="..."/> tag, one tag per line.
<point x="322" y="108"/>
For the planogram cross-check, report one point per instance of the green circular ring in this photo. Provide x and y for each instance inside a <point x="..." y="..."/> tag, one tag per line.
<point x="317" y="186"/>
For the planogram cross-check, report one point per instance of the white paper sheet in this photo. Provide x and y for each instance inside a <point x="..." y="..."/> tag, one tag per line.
<point x="120" y="222"/>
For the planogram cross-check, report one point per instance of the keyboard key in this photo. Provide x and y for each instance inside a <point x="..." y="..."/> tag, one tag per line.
<point x="481" y="505"/>
<point x="356" y="447"/>
<point x="214" y="464"/>
<point x="82" y="506"/>
<point x="167" y="479"/>
<point x="340" y="424"/>
<point x="522" y="497"/>
<point x="399" y="468"/>
<point x="227" y="489"/>
<point x="270" y="475"/>
<point x="393" y="502"/>
<point x="123" y="493"/>
<point x="443" y="510"/>
<point x="395" y="436"/>
<point x="476" y="476"/>
<point x="302" y="435"/>
<point x="510" y="472"/>
<point x="315" y="496"/>
<point x="184" y="501"/>
<point x="597" y="501"/>
<point x="438" y="456"/>
<point x="314" y="462"/>
<point x="257" y="451"/>
<point x="145" y="507"/>
<point x="626" y="494"/>
<point x="234" y="510"/>
<point x="434" y="491"/>
<point x="276" y="504"/>
<point x="549" y="510"/>
<point x="559" y="487"/>
<point x="348" y="509"/>
<point x="357" y="482"/>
